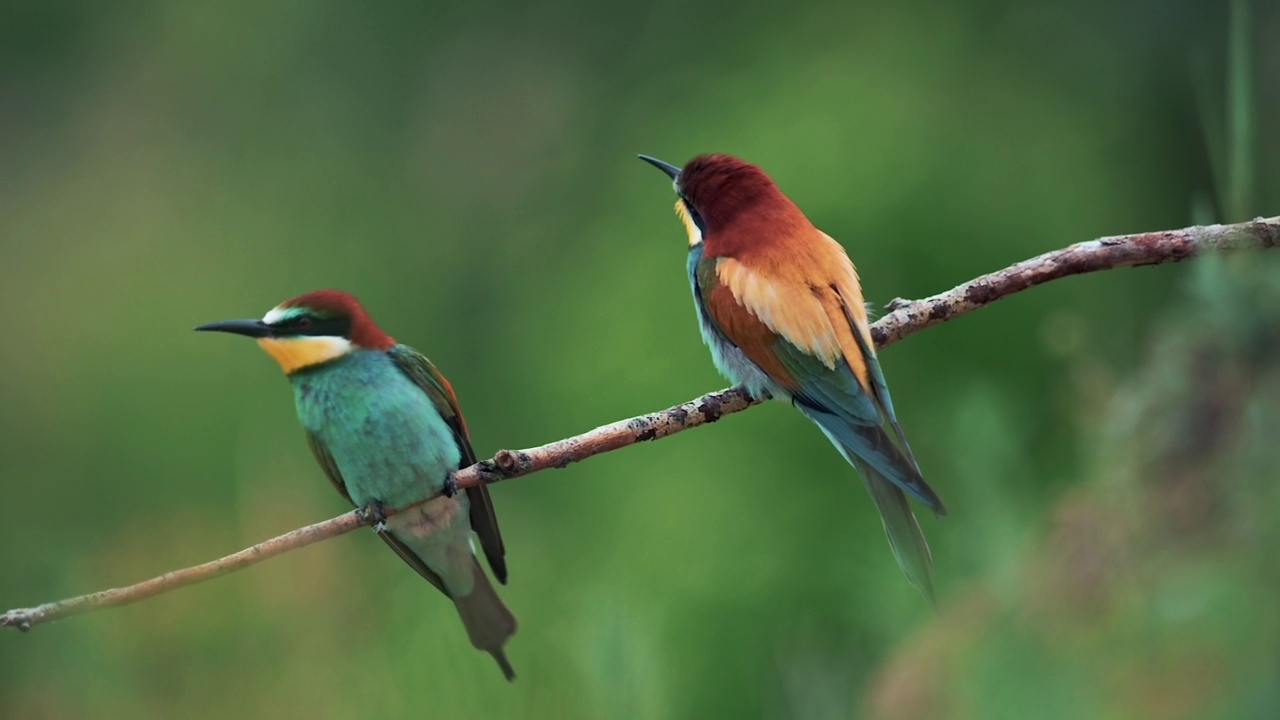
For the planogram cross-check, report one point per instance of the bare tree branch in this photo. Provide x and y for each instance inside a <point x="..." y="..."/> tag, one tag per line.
<point x="24" y="618"/>
<point x="905" y="317"/>
<point x="909" y="316"/>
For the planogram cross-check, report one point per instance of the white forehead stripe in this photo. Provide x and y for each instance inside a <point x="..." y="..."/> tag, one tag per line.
<point x="277" y="314"/>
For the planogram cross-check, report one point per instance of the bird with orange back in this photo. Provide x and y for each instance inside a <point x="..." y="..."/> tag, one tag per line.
<point x="780" y="306"/>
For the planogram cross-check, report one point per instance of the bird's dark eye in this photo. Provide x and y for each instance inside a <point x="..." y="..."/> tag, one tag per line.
<point x="304" y="322"/>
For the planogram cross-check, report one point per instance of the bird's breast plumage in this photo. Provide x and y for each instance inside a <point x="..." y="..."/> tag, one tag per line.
<point x="388" y="440"/>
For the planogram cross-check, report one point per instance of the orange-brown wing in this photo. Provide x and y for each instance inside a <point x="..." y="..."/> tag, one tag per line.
<point x="790" y="315"/>
<point x="785" y="326"/>
<point x="739" y="325"/>
<point x="808" y="293"/>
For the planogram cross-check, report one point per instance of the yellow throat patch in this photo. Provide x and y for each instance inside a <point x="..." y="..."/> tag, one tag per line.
<point x="695" y="235"/>
<point x="300" y="352"/>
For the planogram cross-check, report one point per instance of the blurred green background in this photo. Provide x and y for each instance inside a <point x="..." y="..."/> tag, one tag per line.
<point x="1105" y="443"/>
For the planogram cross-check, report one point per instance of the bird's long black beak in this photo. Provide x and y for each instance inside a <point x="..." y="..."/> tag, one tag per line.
<point x="671" y="170"/>
<point x="252" y="328"/>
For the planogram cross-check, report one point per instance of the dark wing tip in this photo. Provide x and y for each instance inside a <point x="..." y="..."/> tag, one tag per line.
<point x="928" y="496"/>
<point x="508" y="671"/>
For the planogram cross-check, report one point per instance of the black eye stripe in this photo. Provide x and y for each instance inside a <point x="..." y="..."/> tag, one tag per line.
<point x="693" y="213"/>
<point x="314" y="325"/>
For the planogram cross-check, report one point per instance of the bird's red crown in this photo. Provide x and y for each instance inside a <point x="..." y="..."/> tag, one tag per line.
<point x="732" y="193"/>
<point x="364" y="333"/>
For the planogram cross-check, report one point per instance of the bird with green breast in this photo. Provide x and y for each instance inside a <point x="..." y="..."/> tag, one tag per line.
<point x="780" y="306"/>
<point x="384" y="425"/>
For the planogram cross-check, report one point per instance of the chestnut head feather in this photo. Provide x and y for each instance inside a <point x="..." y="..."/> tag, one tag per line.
<point x="311" y="329"/>
<point x="730" y="199"/>
<point x="720" y="187"/>
<point x="330" y="312"/>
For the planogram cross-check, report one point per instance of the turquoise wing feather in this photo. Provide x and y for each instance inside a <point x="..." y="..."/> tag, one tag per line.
<point x="836" y="401"/>
<point x="484" y="520"/>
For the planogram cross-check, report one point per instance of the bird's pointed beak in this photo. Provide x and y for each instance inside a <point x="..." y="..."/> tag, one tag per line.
<point x="671" y="170"/>
<point x="252" y="328"/>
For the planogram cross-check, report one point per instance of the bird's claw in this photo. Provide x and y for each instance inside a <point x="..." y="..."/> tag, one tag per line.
<point x="450" y="486"/>
<point x="377" y="510"/>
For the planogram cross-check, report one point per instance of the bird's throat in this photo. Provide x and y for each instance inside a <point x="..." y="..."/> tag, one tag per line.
<point x="297" y="353"/>
<point x="695" y="235"/>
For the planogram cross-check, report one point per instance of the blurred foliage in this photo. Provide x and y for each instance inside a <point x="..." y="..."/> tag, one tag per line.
<point x="469" y="171"/>
<point x="1151" y="593"/>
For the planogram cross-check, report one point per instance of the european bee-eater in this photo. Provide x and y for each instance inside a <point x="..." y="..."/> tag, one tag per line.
<point x="385" y="426"/>
<point x="780" y="306"/>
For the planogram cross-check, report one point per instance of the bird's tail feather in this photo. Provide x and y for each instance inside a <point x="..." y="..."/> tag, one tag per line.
<point x="873" y="446"/>
<point x="489" y="623"/>
<point x="905" y="537"/>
